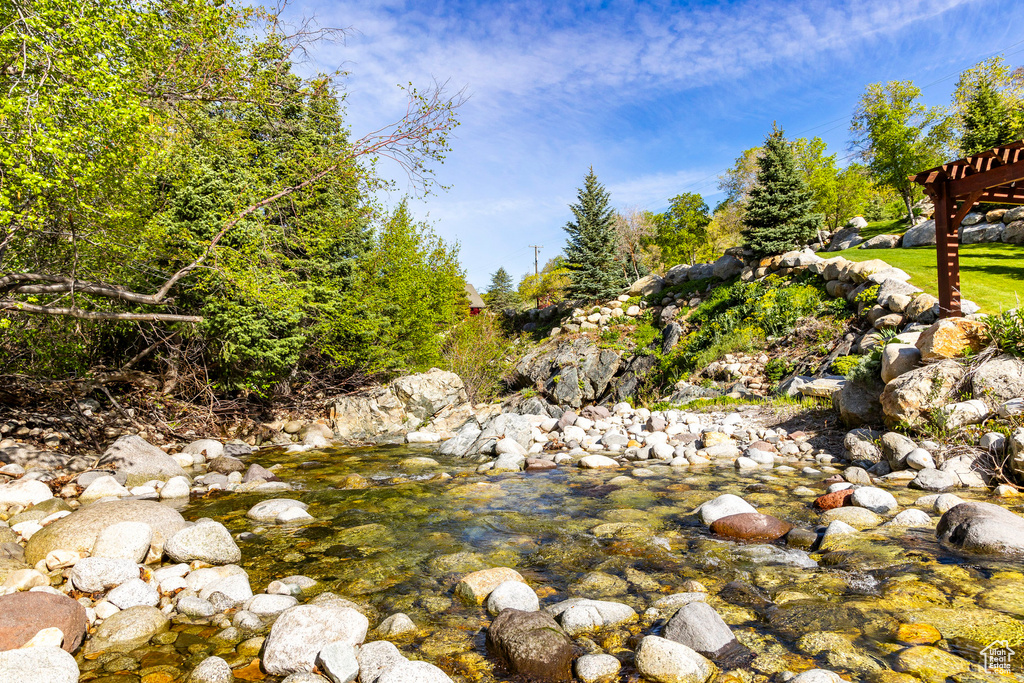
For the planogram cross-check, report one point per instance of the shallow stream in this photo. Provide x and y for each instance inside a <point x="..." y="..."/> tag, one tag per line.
<point x="401" y="543"/>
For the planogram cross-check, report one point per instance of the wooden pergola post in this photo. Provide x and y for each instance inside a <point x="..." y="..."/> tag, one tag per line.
<point x="955" y="188"/>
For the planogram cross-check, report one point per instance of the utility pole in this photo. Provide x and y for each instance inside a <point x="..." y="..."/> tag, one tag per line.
<point x="536" y="270"/>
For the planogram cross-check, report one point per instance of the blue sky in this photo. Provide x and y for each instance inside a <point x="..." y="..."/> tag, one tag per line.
<point x="659" y="97"/>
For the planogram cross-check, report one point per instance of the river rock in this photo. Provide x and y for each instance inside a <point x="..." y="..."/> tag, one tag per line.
<point x="983" y="528"/>
<point x="38" y="665"/>
<point x="899" y="359"/>
<point x="338" y="662"/>
<point x="750" y="526"/>
<point x="268" y="510"/>
<point x="414" y="672"/>
<point x="24" y="614"/>
<point x="857" y="404"/>
<point x="665" y="661"/>
<point x="512" y="595"/>
<point x="226" y="464"/>
<point x="140" y="460"/>
<point x="212" y="669"/>
<point x="597" y="668"/>
<point x="930" y="664"/>
<point x="817" y="676"/>
<point x="301" y="632"/>
<point x="79" y="530"/>
<point x="208" y="448"/>
<point x="396" y="625"/>
<point x="103" y="487"/>
<point x="579" y="615"/>
<point x="723" y="506"/>
<point x="477" y="586"/>
<point x="597" y="462"/>
<point x="532" y="644"/>
<point x="124" y="540"/>
<point x="24" y="492"/>
<point x="94" y="574"/>
<point x="911" y="518"/>
<point x="209" y="542"/>
<point x="935" y="480"/>
<point x="133" y="593"/>
<point x="175" y="488"/>
<point x="858" y="518"/>
<point x="375" y="658"/>
<point x="265" y="605"/>
<point x="874" y="499"/>
<point x="836" y="499"/>
<point x="699" y="627"/>
<point x="126" y="630"/>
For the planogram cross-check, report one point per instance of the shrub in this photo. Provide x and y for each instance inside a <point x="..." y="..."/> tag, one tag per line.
<point x="478" y="351"/>
<point x="868" y="296"/>
<point x="843" y="365"/>
<point x="1006" y="330"/>
<point x="776" y="369"/>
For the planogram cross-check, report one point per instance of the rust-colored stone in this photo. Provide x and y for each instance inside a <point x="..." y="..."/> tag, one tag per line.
<point x="250" y="672"/>
<point x="836" y="499"/>
<point x="750" y="526"/>
<point x="951" y="337"/>
<point x="22" y="615"/>
<point x="918" y="634"/>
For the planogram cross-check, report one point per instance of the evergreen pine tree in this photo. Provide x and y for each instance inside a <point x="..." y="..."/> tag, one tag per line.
<point x="987" y="120"/>
<point x="592" y="249"/>
<point x="501" y="295"/>
<point x="780" y="211"/>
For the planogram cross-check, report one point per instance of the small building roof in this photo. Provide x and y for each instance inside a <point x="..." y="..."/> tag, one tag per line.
<point x="475" y="301"/>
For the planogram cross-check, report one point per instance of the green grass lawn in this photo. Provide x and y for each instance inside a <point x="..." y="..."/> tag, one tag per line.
<point x="897" y="226"/>
<point x="991" y="275"/>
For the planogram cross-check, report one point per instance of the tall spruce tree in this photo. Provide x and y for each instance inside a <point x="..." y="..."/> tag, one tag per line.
<point x="591" y="253"/>
<point x="987" y="121"/>
<point x="501" y="295"/>
<point x="780" y="212"/>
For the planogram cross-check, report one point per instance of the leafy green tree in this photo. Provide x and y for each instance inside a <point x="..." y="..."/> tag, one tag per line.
<point x="591" y="252"/>
<point x="501" y="295"/>
<point x="552" y="284"/>
<point x="682" y="232"/>
<point x="898" y="136"/>
<point x="635" y="230"/>
<point x="988" y="106"/>
<point x="780" y="210"/>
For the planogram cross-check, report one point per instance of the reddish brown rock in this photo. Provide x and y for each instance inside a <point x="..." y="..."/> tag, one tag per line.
<point x="22" y="615"/>
<point x="836" y="499"/>
<point x="763" y="446"/>
<point x="750" y="526"/>
<point x="533" y="464"/>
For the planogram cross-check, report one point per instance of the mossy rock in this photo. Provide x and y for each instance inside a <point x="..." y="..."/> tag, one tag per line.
<point x="972" y="628"/>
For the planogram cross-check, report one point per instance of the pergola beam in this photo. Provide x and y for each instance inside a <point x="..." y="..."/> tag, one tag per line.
<point x="955" y="188"/>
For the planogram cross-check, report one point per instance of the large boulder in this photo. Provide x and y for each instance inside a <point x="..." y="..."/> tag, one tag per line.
<point x="999" y="379"/>
<point x="913" y="395"/>
<point x="532" y="644"/>
<point x="79" y="530"/>
<point x="858" y="404"/>
<point x="1013" y="233"/>
<point x="923" y="308"/>
<point x="647" y="285"/>
<point x="982" y="528"/>
<point x="727" y="267"/>
<point x="22" y="615"/>
<point x="892" y="287"/>
<point x="206" y="541"/>
<point x="140" y="460"/>
<point x="883" y="242"/>
<point x="24" y="492"/>
<point x="427" y="393"/>
<point x="301" y="632"/>
<point x="920" y="235"/>
<point x="846" y="238"/>
<point x="951" y="338"/>
<point x="898" y="359"/>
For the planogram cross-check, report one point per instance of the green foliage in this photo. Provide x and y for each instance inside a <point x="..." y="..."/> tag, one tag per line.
<point x="253" y="347"/>
<point x="843" y="365"/>
<point x="777" y="368"/>
<point x="478" y="351"/>
<point x="681" y="233"/>
<point x="779" y="215"/>
<point x="644" y="335"/>
<point x="988" y="106"/>
<point x="683" y="288"/>
<point x="500" y="294"/>
<point x="550" y="286"/>
<point x="898" y="136"/>
<point x="837" y="194"/>
<point x="610" y="337"/>
<point x="868" y="296"/>
<point x="987" y="122"/>
<point x="736" y="316"/>
<point x="1006" y="330"/>
<point x="591" y="251"/>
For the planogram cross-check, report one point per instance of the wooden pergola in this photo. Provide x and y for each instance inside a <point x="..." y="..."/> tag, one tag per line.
<point x="955" y="188"/>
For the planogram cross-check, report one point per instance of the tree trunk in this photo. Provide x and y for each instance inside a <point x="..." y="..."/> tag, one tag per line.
<point x="910" y="210"/>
